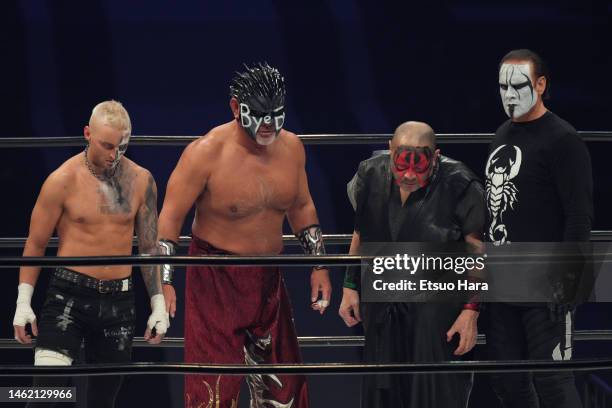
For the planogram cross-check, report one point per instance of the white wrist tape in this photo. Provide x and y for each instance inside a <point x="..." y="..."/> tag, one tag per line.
<point x="158" y="303"/>
<point x="24" y="293"/>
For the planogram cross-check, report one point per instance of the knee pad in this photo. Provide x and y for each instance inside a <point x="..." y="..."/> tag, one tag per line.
<point x="46" y="357"/>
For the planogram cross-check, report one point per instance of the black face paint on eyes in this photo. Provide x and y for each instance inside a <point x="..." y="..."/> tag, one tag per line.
<point x="252" y="120"/>
<point x="509" y="74"/>
<point x="516" y="89"/>
<point x="523" y="84"/>
<point x="260" y="91"/>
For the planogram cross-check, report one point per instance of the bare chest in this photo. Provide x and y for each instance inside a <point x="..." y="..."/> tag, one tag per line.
<point x="248" y="187"/>
<point x="95" y="202"/>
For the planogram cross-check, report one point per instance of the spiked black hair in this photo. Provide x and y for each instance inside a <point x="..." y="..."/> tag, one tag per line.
<point x="260" y="80"/>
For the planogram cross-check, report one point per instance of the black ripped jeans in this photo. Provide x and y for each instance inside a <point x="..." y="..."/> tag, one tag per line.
<point x="105" y="322"/>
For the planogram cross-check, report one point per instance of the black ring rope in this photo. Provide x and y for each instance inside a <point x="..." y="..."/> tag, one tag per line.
<point x="142" y="368"/>
<point x="311" y="341"/>
<point x="289" y="240"/>
<point x="315" y="139"/>
<point x="270" y="260"/>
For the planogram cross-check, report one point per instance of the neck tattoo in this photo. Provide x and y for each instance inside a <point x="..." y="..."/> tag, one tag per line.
<point x="102" y="177"/>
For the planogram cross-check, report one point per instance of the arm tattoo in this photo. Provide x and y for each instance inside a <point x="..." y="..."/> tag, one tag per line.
<point x="146" y="222"/>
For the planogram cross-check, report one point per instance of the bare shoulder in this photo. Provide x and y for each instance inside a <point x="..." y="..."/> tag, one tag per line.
<point x="291" y="139"/>
<point x="294" y="144"/>
<point x="65" y="174"/>
<point x="135" y="168"/>
<point x="209" y="146"/>
<point x="60" y="182"/>
<point x="144" y="177"/>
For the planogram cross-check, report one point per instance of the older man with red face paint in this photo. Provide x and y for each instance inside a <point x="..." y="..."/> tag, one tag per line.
<point x="413" y="194"/>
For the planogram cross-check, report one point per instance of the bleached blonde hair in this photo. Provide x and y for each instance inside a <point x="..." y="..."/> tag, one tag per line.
<point x="113" y="114"/>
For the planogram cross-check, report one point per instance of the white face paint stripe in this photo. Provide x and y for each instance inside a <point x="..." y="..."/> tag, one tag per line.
<point x="516" y="102"/>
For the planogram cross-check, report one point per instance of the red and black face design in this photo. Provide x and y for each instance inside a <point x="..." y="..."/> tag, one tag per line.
<point x="411" y="166"/>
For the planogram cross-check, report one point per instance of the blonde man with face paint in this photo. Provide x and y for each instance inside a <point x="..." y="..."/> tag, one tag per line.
<point x="95" y="201"/>
<point x="538" y="189"/>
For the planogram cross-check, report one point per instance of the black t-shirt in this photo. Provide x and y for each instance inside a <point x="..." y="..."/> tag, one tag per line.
<point x="539" y="184"/>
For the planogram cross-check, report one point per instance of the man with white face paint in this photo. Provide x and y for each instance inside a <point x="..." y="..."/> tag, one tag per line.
<point x="244" y="177"/>
<point x="517" y="93"/>
<point x="538" y="189"/>
<point x="95" y="200"/>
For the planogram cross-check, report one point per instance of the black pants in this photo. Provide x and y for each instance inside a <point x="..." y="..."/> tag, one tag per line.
<point x="519" y="332"/>
<point x="105" y="322"/>
<point x="412" y="332"/>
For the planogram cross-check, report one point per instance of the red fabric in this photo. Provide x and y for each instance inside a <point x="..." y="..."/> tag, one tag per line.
<point x="227" y="309"/>
<point x="472" y="306"/>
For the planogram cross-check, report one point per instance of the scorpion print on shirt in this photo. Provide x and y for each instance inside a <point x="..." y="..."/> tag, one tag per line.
<point x="539" y="184"/>
<point x="503" y="165"/>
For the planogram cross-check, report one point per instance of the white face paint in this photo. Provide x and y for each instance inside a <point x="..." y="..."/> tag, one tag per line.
<point x="516" y="89"/>
<point x="121" y="149"/>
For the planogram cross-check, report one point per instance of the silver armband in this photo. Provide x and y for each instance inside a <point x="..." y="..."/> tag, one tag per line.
<point x="167" y="247"/>
<point x="311" y="240"/>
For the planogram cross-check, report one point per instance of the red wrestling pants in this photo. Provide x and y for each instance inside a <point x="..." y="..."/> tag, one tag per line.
<point x="239" y="315"/>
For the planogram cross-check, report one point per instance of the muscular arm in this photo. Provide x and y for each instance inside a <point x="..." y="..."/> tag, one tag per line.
<point x="302" y="217"/>
<point x="45" y="216"/>
<point x="146" y="229"/>
<point x="186" y="183"/>
<point x="303" y="212"/>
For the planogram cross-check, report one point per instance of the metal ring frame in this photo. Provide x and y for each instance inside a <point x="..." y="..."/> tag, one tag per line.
<point x="313" y="341"/>
<point x="288" y="240"/>
<point x="308" y="369"/>
<point x="341" y="239"/>
<point x="316" y="139"/>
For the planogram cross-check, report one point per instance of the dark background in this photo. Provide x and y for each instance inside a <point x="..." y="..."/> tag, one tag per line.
<point x="350" y="67"/>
